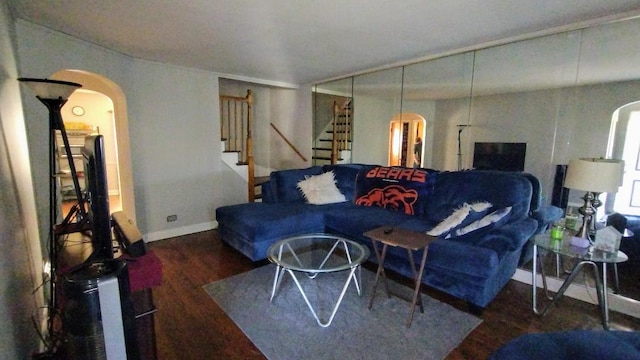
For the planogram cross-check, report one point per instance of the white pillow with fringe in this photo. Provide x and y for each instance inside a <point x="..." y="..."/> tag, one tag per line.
<point x="457" y="217"/>
<point x="490" y="219"/>
<point x="321" y="189"/>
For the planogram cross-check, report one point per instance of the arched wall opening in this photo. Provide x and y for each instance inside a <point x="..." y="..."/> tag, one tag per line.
<point x="103" y="85"/>
<point x="407" y="137"/>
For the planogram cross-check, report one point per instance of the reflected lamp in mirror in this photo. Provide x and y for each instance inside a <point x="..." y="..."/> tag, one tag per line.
<point x="594" y="176"/>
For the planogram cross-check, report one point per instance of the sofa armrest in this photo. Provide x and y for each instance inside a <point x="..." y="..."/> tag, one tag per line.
<point x="505" y="238"/>
<point x="546" y="215"/>
<point x="510" y="237"/>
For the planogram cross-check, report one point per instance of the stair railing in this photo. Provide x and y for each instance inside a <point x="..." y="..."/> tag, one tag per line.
<point x="334" y="137"/>
<point x="235" y="131"/>
<point x="341" y="129"/>
<point x="289" y="143"/>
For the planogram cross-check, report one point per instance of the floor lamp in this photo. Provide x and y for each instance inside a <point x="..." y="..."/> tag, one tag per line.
<point x="594" y="176"/>
<point x="460" y="128"/>
<point x="54" y="94"/>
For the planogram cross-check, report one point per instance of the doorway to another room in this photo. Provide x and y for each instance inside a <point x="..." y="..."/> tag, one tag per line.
<point x="101" y="107"/>
<point x="87" y="113"/>
<point x="407" y="132"/>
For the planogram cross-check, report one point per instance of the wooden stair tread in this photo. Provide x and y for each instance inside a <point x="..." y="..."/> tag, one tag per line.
<point x="323" y="158"/>
<point x="329" y="140"/>
<point x="259" y="180"/>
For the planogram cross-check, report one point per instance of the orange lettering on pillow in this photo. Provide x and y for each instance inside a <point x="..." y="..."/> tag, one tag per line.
<point x="372" y="172"/>
<point x="406" y="174"/>
<point x="394" y="173"/>
<point x="419" y="175"/>
<point x="398" y="173"/>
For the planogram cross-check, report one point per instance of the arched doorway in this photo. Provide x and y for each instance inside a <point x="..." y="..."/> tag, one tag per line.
<point x="100" y="84"/>
<point x="407" y="134"/>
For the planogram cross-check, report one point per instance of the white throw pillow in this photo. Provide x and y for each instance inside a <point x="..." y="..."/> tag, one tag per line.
<point x="490" y="219"/>
<point x="321" y="189"/>
<point x="457" y="217"/>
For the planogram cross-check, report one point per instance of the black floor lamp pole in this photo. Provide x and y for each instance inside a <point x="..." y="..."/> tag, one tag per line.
<point x="54" y="94"/>
<point x="460" y="128"/>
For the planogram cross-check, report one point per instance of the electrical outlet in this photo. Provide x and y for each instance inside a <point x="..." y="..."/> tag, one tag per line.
<point x="171" y="218"/>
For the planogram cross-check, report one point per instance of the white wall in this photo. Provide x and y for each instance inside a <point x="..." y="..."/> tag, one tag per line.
<point x="175" y="146"/>
<point x="557" y="125"/>
<point x="371" y="119"/>
<point x="21" y="255"/>
<point x="174" y="129"/>
<point x="290" y="111"/>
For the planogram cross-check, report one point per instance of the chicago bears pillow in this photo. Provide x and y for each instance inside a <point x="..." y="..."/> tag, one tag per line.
<point x="395" y="188"/>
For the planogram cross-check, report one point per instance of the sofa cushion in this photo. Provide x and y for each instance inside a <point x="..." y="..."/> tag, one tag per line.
<point x="394" y="188"/>
<point x="355" y="220"/>
<point x="321" y="189"/>
<point x="261" y="221"/>
<point x="253" y="227"/>
<point x="502" y="189"/>
<point x="284" y="183"/>
<point x="573" y="344"/>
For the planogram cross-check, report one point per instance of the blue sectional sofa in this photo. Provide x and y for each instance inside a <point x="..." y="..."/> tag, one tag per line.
<point x="573" y="344"/>
<point x="473" y="267"/>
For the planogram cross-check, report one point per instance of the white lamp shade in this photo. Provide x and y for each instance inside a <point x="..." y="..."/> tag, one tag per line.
<point x="50" y="89"/>
<point x="595" y="175"/>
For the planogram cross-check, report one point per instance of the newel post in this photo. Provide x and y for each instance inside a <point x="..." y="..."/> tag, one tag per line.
<point x="249" y="150"/>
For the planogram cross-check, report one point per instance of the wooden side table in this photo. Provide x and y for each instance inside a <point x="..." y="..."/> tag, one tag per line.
<point x="406" y="239"/>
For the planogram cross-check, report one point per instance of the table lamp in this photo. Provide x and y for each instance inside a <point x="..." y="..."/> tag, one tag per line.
<point x="595" y="176"/>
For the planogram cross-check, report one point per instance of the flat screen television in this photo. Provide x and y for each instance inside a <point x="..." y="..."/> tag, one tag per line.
<point x="97" y="197"/>
<point x="502" y="156"/>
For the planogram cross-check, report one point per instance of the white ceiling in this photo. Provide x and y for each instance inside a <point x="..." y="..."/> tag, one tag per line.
<point x="302" y="41"/>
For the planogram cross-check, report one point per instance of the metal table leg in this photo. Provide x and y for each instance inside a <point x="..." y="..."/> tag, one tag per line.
<point x="336" y="306"/>
<point x="537" y="261"/>
<point x="600" y="290"/>
<point x="357" y="280"/>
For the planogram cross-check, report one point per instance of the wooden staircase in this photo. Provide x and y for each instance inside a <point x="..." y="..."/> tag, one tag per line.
<point x="236" y="137"/>
<point x="334" y="145"/>
<point x="237" y="141"/>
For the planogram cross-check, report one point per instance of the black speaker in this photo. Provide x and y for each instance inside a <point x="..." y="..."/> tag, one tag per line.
<point x="98" y="319"/>
<point x="560" y="194"/>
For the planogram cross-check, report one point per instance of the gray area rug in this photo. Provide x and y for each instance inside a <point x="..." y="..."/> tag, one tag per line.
<point x="286" y="329"/>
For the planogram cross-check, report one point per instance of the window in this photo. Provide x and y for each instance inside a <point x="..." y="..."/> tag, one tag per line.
<point x="628" y="197"/>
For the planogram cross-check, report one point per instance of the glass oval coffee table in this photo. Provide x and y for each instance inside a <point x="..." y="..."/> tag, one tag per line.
<point x="314" y="254"/>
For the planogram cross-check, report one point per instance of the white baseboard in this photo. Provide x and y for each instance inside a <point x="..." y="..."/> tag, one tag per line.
<point x="583" y="292"/>
<point x="185" y="230"/>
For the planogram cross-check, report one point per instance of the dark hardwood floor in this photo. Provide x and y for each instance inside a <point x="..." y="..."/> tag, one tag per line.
<point x="190" y="325"/>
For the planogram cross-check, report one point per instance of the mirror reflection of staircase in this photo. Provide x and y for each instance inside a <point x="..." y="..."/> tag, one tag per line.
<point x="333" y="144"/>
